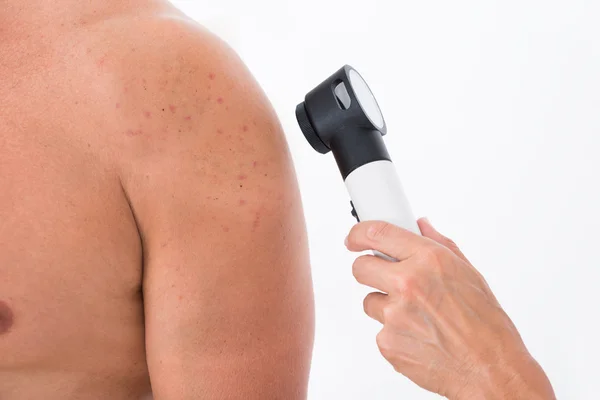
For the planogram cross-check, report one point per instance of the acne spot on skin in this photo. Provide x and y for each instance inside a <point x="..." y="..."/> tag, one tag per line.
<point x="6" y="318"/>
<point x="188" y="118"/>
<point x="242" y="202"/>
<point x="211" y="76"/>
<point x="242" y="177"/>
<point x="131" y="132"/>
<point x="254" y="164"/>
<point x="147" y="114"/>
<point x="256" y="222"/>
<point x="225" y="229"/>
<point x="220" y="100"/>
<point x="101" y="61"/>
<point x="245" y="128"/>
<point x="118" y="105"/>
<point x="172" y="108"/>
<point x="220" y="131"/>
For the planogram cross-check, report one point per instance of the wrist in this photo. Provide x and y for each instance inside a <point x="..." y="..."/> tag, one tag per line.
<point x="522" y="378"/>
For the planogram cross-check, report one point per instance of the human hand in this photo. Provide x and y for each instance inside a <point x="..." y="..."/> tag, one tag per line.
<point x="443" y="328"/>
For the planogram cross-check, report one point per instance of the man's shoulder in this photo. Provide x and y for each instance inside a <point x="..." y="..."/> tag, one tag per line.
<point x="162" y="73"/>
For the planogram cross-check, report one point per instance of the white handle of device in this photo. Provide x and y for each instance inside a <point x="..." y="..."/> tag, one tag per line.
<point x="378" y="195"/>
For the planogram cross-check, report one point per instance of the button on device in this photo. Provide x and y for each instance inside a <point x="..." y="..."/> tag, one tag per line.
<point x="353" y="212"/>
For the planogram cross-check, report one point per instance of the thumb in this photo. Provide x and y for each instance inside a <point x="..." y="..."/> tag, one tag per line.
<point x="430" y="232"/>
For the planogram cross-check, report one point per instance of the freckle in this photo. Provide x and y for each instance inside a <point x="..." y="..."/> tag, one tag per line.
<point x="188" y="118"/>
<point x="144" y="81"/>
<point x="242" y="177"/>
<point x="242" y="202"/>
<point x="89" y="51"/>
<point x="6" y="318"/>
<point x="227" y="108"/>
<point x="219" y="131"/>
<point x="172" y="108"/>
<point x="148" y="114"/>
<point x="208" y="98"/>
<point x="211" y="76"/>
<point x="220" y="100"/>
<point x="254" y="123"/>
<point x="245" y="128"/>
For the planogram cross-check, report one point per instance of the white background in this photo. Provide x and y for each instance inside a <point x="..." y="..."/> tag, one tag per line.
<point x="493" y="109"/>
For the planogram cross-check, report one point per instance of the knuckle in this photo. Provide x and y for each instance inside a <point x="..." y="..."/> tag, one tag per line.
<point x="431" y="256"/>
<point x="384" y="344"/>
<point x="406" y="285"/>
<point x="379" y="230"/>
<point x="388" y="312"/>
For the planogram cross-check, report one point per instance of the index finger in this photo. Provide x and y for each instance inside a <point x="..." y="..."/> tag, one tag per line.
<point x="384" y="237"/>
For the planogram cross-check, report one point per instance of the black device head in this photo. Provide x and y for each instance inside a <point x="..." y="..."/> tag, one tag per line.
<point x="342" y="115"/>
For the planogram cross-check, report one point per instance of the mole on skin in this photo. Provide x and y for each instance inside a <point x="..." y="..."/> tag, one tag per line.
<point x="6" y="318"/>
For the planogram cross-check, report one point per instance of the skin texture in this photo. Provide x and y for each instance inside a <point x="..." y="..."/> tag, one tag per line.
<point x="443" y="328"/>
<point x="152" y="238"/>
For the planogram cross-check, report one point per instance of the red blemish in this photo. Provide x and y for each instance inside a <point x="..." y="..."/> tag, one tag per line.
<point x="172" y="108"/>
<point x="245" y="128"/>
<point x="225" y="229"/>
<point x="219" y="131"/>
<point x="242" y="202"/>
<point x="211" y="76"/>
<point x="131" y="132"/>
<point x="126" y="89"/>
<point x="242" y="177"/>
<point x="256" y="221"/>
<point x="220" y="100"/>
<point x="101" y="61"/>
<point x="188" y="118"/>
<point x="180" y="297"/>
<point x="254" y="164"/>
<point x="118" y="105"/>
<point x="148" y="114"/>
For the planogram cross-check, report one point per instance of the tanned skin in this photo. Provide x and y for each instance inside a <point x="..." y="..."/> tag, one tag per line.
<point x="152" y="238"/>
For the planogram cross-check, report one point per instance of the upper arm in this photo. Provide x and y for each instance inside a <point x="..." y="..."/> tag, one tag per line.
<point x="227" y="287"/>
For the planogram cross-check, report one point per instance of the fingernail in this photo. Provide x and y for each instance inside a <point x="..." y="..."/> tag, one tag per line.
<point x="346" y="241"/>
<point x="427" y="221"/>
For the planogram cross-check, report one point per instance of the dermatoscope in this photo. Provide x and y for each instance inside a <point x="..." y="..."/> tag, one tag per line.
<point x="341" y="115"/>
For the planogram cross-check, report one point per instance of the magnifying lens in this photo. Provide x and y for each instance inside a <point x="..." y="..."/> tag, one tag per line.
<point x="341" y="115"/>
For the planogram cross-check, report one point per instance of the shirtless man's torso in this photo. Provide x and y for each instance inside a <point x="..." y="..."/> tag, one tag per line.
<point x="152" y="240"/>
